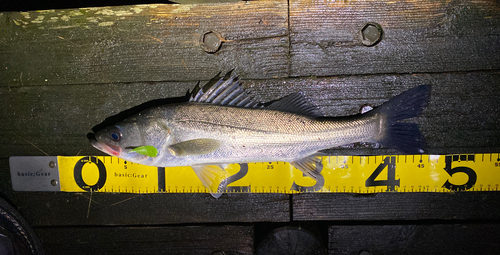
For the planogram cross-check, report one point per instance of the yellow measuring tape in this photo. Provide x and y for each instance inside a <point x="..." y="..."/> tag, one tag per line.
<point x="339" y="174"/>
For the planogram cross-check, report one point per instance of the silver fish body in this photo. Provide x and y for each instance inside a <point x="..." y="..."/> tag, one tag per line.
<point x="222" y="125"/>
<point x="256" y="135"/>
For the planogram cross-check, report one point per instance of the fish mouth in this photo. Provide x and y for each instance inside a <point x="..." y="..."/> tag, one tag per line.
<point x="109" y="149"/>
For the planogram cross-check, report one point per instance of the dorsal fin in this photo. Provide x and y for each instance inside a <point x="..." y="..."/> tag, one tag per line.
<point x="224" y="92"/>
<point x="295" y="103"/>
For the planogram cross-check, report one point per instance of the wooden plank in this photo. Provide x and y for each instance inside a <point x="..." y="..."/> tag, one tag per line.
<point x="460" y="238"/>
<point x="54" y="120"/>
<point x="418" y="36"/>
<point x="229" y="239"/>
<point x="142" y="43"/>
<point x="75" y="209"/>
<point x="151" y="209"/>
<point x="396" y="206"/>
<point x="462" y="116"/>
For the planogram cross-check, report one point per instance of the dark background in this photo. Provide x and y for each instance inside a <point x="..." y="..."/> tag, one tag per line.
<point x="30" y="5"/>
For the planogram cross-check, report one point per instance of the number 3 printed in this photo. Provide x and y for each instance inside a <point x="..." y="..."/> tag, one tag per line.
<point x="320" y="182"/>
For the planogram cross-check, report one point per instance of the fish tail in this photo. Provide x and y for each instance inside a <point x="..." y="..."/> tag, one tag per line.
<point x="404" y="137"/>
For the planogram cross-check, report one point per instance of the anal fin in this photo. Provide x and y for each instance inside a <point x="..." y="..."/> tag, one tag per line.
<point x="214" y="178"/>
<point x="309" y="165"/>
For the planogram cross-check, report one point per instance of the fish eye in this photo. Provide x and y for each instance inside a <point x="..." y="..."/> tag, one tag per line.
<point x="115" y="134"/>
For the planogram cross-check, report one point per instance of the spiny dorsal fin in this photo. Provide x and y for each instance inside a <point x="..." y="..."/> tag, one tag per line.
<point x="224" y="92"/>
<point x="295" y="103"/>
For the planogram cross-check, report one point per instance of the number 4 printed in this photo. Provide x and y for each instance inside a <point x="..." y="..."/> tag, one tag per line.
<point x="390" y="182"/>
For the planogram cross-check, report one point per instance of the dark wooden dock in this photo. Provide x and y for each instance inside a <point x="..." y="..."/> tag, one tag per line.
<point x="64" y="71"/>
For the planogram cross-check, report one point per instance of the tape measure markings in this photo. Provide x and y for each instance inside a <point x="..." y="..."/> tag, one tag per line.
<point x="364" y="174"/>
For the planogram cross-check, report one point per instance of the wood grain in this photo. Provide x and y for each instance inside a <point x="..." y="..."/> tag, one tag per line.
<point x="229" y="239"/>
<point x="54" y="120"/>
<point x="462" y="116"/>
<point x="459" y="238"/>
<point x="72" y="209"/>
<point x="64" y="71"/>
<point x="142" y="43"/>
<point x="102" y="61"/>
<point x="418" y="36"/>
<point x="396" y="206"/>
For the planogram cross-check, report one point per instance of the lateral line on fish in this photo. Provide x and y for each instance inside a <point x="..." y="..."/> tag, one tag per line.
<point x="225" y="125"/>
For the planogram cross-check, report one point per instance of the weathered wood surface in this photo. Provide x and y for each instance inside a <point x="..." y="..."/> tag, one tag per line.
<point x="396" y="206"/>
<point x="161" y="42"/>
<point x="54" y="120"/>
<point x="75" y="209"/>
<point x="142" y="43"/>
<point x="229" y="239"/>
<point x="462" y="116"/>
<point x="66" y="209"/>
<point x="64" y="71"/>
<point x="418" y="36"/>
<point x="446" y="239"/>
<point x="456" y="238"/>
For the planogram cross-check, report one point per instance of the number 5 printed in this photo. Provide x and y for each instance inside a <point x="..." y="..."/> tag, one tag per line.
<point x="471" y="174"/>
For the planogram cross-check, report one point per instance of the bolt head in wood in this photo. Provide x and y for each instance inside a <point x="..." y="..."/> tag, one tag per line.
<point x="210" y="41"/>
<point x="371" y="34"/>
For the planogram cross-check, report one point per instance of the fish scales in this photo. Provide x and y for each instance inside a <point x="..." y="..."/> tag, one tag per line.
<point x="248" y="131"/>
<point x="222" y="125"/>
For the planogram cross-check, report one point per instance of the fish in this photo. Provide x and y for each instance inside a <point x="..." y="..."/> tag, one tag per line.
<point x="222" y="125"/>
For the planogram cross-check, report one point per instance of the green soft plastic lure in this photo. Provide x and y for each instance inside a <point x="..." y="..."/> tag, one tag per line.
<point x="147" y="150"/>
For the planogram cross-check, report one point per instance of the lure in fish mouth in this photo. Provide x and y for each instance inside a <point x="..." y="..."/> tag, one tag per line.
<point x="223" y="125"/>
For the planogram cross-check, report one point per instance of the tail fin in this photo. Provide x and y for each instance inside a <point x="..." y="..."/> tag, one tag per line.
<point x="404" y="137"/>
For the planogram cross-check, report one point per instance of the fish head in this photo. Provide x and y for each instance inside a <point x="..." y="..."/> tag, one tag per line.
<point x="121" y="139"/>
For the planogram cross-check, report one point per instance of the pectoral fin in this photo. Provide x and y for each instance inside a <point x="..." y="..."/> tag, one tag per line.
<point x="214" y="178"/>
<point x="194" y="147"/>
<point x="309" y="165"/>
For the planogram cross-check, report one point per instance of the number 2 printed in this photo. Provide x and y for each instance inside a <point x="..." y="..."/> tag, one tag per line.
<point x="236" y="177"/>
